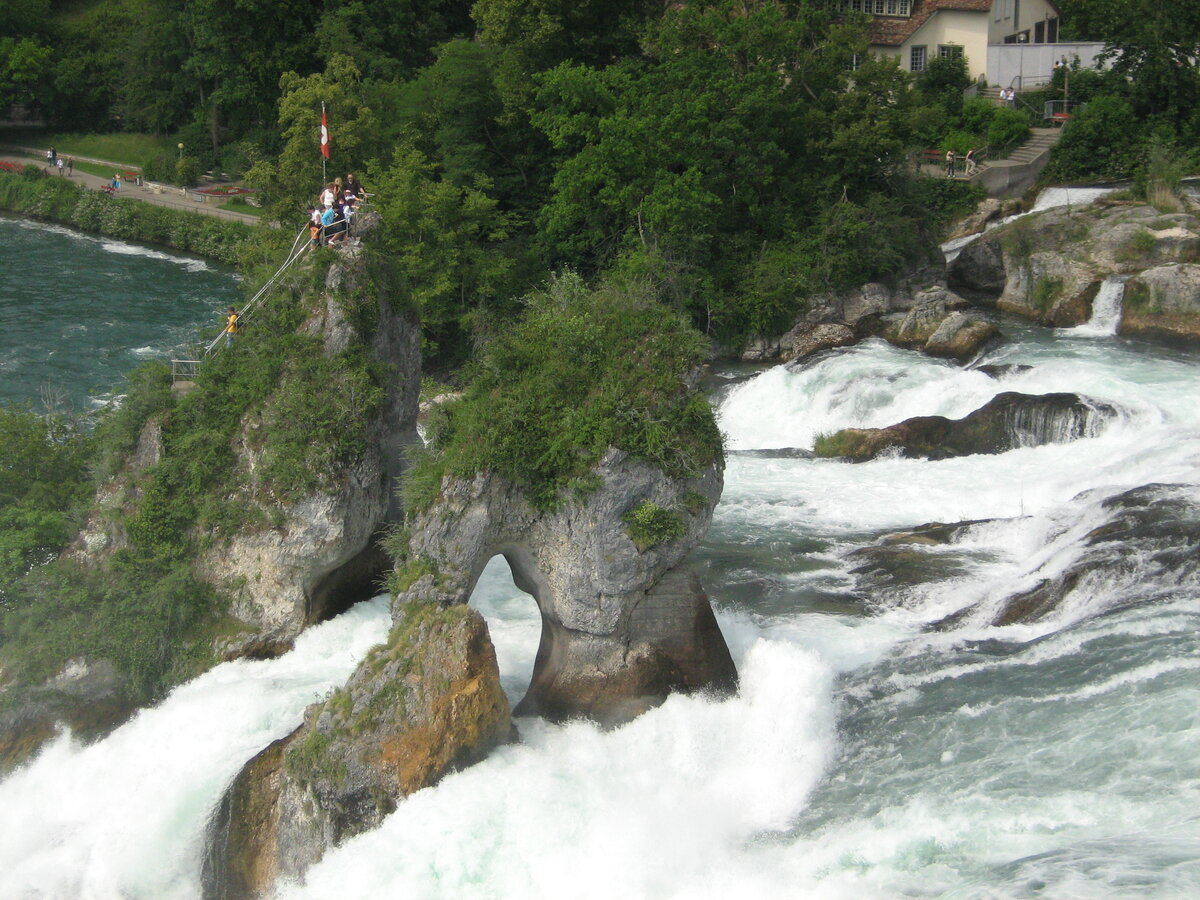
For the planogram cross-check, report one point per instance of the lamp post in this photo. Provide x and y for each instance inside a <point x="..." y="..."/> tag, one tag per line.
<point x="180" y="145"/>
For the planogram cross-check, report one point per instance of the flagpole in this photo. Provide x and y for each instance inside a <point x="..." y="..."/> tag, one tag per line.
<point x="324" y="181"/>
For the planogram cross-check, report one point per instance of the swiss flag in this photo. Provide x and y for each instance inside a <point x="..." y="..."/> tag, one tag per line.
<point x="324" y="134"/>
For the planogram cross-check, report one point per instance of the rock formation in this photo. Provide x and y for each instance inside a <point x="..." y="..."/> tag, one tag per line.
<point x="624" y="624"/>
<point x="1007" y="421"/>
<point x="291" y="562"/>
<point x="427" y="702"/>
<point x="919" y="313"/>
<point x="1048" y="266"/>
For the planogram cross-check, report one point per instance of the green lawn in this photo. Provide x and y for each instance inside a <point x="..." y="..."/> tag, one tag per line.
<point x="238" y="205"/>
<point x="131" y="150"/>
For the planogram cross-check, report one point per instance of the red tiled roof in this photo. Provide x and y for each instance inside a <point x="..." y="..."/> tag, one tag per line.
<point x="892" y="32"/>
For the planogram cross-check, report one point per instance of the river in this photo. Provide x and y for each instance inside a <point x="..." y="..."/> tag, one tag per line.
<point x="870" y="751"/>
<point x="78" y="311"/>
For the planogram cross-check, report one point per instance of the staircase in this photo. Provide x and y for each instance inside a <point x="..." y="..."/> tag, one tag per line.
<point x="1041" y="140"/>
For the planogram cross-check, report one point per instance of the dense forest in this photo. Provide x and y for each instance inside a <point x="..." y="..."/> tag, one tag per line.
<point x="725" y="150"/>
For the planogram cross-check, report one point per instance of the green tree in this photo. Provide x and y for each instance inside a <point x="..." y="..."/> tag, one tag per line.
<point x="1153" y="43"/>
<point x="24" y="70"/>
<point x="450" y="241"/>
<point x="44" y="480"/>
<point x="294" y="176"/>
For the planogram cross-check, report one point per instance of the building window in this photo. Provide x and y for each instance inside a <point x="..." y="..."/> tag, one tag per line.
<point x="878" y="7"/>
<point x="950" y="51"/>
<point x="1052" y="31"/>
<point x="1039" y="32"/>
<point x="916" y="60"/>
<point x="856" y="60"/>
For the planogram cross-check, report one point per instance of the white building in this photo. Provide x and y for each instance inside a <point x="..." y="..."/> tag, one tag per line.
<point x="916" y="31"/>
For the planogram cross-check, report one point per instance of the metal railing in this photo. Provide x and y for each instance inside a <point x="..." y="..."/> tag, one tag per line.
<point x="299" y="246"/>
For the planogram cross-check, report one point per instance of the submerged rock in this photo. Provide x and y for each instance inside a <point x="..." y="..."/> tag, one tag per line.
<point x="1005" y="422"/>
<point x="1154" y="528"/>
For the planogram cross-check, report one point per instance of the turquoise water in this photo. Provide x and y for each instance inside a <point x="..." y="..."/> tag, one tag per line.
<point x="78" y="312"/>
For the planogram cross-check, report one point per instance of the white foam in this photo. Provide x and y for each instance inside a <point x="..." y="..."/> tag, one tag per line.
<point x="125" y="817"/>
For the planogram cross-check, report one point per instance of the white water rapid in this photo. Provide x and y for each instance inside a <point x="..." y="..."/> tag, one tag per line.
<point x="871" y="752"/>
<point x="125" y="817"/>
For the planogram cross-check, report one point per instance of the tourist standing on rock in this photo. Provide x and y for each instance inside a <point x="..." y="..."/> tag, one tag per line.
<point x="951" y="158"/>
<point x="314" y="225"/>
<point x="355" y="187"/>
<point x="232" y="321"/>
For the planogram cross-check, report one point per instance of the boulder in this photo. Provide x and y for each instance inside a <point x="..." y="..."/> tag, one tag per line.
<point x="426" y="703"/>
<point x="1164" y="302"/>
<point x="988" y="210"/>
<point x="804" y="340"/>
<point x="961" y="336"/>
<point x="1005" y="422"/>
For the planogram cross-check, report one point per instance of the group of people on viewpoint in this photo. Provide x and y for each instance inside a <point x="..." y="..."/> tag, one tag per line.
<point x="331" y="220"/>
<point x="329" y="223"/>
<point x="970" y="166"/>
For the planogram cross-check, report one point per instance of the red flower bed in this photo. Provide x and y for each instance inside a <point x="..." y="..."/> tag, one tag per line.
<point x="11" y="166"/>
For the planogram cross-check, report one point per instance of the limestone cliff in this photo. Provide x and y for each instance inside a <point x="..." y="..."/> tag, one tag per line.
<point x="280" y="553"/>
<point x="1048" y="266"/>
<point x="318" y="553"/>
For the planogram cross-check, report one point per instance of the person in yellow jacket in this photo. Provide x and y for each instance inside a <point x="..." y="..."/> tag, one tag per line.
<point x="232" y="322"/>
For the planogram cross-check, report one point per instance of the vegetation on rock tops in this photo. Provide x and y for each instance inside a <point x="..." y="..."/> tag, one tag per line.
<point x="583" y="370"/>
<point x="305" y="414"/>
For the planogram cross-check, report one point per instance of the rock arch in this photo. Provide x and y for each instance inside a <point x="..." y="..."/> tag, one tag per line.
<point x="623" y="626"/>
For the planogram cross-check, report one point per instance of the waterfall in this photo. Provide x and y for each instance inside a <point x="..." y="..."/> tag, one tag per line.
<point x="1106" y="309"/>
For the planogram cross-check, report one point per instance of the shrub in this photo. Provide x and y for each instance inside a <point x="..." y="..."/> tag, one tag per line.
<point x="583" y="370"/>
<point x="649" y="525"/>
<point x="1008" y="128"/>
<point x="1102" y="141"/>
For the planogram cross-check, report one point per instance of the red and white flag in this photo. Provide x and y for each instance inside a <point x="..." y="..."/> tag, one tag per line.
<point x="324" y="133"/>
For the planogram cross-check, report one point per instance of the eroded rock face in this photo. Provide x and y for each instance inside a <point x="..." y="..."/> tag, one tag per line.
<point x="622" y="627"/>
<point x="1005" y="422"/>
<point x="425" y="703"/>
<point x="1164" y="302"/>
<point x="319" y="554"/>
<point x="938" y="324"/>
<point x="1048" y="266"/>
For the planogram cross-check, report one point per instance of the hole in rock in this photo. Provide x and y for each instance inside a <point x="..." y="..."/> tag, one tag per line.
<point x="514" y="623"/>
<point x="359" y="578"/>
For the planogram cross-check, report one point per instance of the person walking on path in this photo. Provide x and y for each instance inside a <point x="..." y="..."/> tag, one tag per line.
<point x="70" y="166"/>
<point x="232" y="323"/>
<point x="951" y="158"/>
<point x="970" y="162"/>
<point x="61" y="166"/>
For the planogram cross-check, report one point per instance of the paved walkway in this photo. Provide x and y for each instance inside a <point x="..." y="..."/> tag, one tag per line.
<point x="159" y="195"/>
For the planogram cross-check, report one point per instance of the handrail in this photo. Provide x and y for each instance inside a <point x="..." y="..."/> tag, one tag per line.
<point x="299" y="245"/>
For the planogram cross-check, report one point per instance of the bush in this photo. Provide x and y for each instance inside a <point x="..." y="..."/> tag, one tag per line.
<point x="1103" y="141"/>
<point x="583" y="371"/>
<point x="187" y="171"/>
<point x="649" y="525"/>
<point x="1008" y="128"/>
